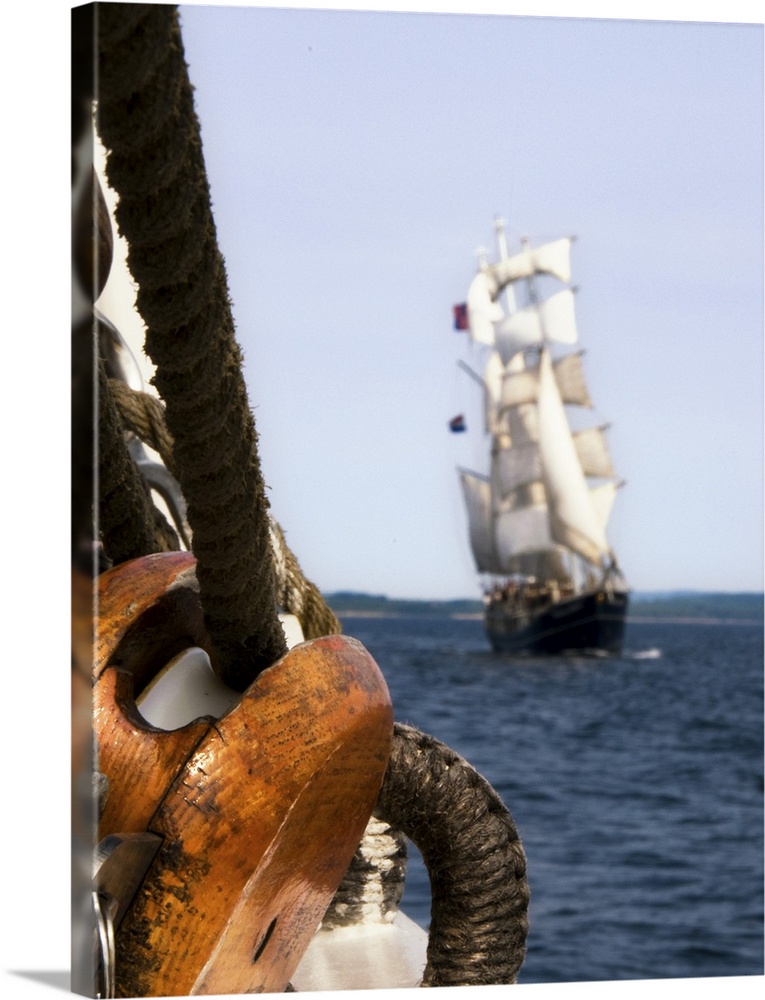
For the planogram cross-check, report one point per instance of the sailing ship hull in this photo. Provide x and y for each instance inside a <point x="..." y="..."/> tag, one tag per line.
<point x="591" y="623"/>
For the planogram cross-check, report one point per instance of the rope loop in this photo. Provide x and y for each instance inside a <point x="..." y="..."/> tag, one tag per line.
<point x="474" y="857"/>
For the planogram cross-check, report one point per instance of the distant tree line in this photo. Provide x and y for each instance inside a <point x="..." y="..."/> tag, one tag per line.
<point x="345" y="601"/>
<point x="698" y="605"/>
<point x="674" y="604"/>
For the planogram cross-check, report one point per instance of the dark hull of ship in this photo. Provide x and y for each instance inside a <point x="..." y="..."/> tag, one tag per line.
<point x="591" y="623"/>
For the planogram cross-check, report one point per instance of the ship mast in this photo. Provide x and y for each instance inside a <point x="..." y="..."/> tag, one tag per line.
<point x="499" y="228"/>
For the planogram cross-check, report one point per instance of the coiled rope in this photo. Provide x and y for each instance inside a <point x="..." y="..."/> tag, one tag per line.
<point x="474" y="858"/>
<point x="473" y="855"/>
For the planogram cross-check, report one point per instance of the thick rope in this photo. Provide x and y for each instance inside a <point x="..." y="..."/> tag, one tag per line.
<point x="147" y="122"/>
<point x="144" y="415"/>
<point x="297" y="595"/>
<point x="373" y="886"/>
<point x="474" y="857"/>
<point x="130" y="524"/>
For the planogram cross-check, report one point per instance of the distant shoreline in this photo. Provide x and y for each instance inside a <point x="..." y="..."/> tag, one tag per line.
<point x="682" y="607"/>
<point x="693" y="620"/>
<point x="478" y="616"/>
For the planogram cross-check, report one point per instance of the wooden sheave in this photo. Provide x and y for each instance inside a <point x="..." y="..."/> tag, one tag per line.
<point x="259" y="812"/>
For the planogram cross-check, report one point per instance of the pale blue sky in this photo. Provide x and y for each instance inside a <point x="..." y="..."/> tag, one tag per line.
<point x="358" y="159"/>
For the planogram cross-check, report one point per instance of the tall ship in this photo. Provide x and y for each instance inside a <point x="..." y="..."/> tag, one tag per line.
<point x="538" y="518"/>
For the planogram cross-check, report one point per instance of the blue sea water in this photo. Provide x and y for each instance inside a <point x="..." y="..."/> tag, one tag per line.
<point x="636" y="784"/>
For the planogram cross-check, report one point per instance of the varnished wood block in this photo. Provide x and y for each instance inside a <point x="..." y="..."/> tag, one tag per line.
<point x="259" y="811"/>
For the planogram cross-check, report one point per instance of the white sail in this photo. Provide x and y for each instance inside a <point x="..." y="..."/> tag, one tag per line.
<point x="477" y="493"/>
<point x="550" y="258"/>
<point x="492" y="381"/>
<point x="603" y="496"/>
<point x="515" y="467"/>
<point x="522" y="423"/>
<point x="497" y="397"/>
<point x="593" y="453"/>
<point x="520" y="531"/>
<point x="525" y="496"/>
<point x="554" y="258"/>
<point x="483" y="310"/>
<point x="573" y="521"/>
<point x="520" y="265"/>
<point x="517" y="387"/>
<point x="570" y="378"/>
<point x="547" y="564"/>
<point x="552" y="320"/>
